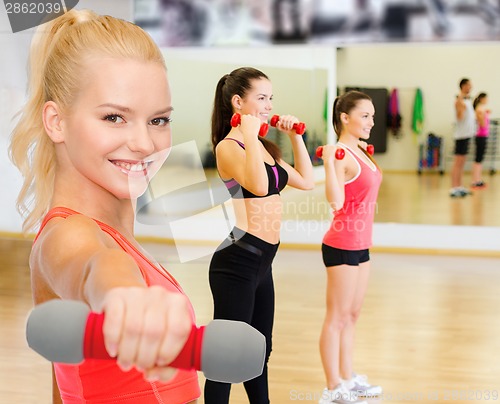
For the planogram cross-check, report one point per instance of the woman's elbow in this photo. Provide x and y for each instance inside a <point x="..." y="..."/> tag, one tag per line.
<point x="260" y="193"/>
<point x="259" y="190"/>
<point x="304" y="185"/>
<point x="336" y="205"/>
<point x="309" y="185"/>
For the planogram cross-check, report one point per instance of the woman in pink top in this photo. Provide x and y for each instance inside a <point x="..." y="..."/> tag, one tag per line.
<point x="95" y="129"/>
<point x="351" y="187"/>
<point x="483" y="129"/>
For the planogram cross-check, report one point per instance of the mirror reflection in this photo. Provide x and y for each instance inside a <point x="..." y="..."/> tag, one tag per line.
<point x="408" y="55"/>
<point x="412" y="191"/>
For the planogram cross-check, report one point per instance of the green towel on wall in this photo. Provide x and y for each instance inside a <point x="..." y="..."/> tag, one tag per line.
<point x="325" y="111"/>
<point x="418" y="113"/>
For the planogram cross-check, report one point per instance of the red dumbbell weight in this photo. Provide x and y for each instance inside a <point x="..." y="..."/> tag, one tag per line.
<point x="370" y="149"/>
<point x="299" y="128"/>
<point x="339" y="153"/>
<point x="236" y="120"/>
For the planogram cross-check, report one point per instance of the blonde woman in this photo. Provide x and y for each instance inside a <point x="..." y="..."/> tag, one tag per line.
<point x="94" y="130"/>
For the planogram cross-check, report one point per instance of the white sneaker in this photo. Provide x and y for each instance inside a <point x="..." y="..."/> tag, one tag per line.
<point x="457" y="193"/>
<point x="465" y="190"/>
<point x="340" y="395"/>
<point x="359" y="384"/>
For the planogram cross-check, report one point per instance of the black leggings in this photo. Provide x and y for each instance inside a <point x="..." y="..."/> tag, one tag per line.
<point x="480" y="148"/>
<point x="242" y="286"/>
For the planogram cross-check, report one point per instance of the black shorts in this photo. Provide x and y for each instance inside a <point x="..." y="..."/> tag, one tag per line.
<point x="462" y="146"/>
<point x="480" y="148"/>
<point x="335" y="256"/>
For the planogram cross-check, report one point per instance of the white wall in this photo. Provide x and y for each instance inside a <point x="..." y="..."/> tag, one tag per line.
<point x="437" y="70"/>
<point x="13" y="59"/>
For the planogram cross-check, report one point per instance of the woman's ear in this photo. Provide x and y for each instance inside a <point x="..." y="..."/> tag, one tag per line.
<point x="344" y="118"/>
<point x="236" y="102"/>
<point x="53" y="121"/>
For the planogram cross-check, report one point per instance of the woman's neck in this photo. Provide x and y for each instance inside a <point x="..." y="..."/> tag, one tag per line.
<point x="349" y="140"/>
<point x="97" y="203"/>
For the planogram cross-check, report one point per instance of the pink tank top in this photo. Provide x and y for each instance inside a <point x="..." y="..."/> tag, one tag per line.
<point x="351" y="227"/>
<point x="100" y="381"/>
<point x="483" y="131"/>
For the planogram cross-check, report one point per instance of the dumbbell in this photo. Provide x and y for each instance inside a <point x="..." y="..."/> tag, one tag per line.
<point x="299" y="128"/>
<point x="339" y="153"/>
<point x="236" y="120"/>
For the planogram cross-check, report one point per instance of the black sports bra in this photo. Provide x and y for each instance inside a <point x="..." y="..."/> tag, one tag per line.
<point x="277" y="179"/>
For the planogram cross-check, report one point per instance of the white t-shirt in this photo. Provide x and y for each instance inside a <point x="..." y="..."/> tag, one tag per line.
<point x="466" y="127"/>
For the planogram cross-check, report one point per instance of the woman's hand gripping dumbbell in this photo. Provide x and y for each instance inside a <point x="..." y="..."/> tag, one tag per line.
<point x="299" y="127"/>
<point x="339" y="153"/>
<point x="236" y="120"/>
<point x="370" y="149"/>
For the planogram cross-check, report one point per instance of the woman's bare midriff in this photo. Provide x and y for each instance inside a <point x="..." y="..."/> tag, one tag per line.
<point x="260" y="217"/>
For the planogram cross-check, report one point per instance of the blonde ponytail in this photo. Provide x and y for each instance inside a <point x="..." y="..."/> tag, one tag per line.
<point x="59" y="51"/>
